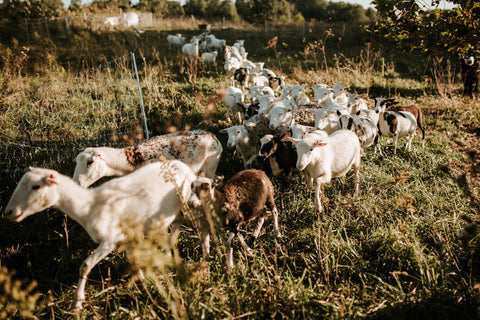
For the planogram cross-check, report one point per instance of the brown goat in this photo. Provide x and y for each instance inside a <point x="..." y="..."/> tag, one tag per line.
<point x="247" y="195"/>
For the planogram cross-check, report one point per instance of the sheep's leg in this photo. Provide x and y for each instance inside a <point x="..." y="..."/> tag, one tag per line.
<point x="409" y="141"/>
<point x="231" y="236"/>
<point x="309" y="181"/>
<point x="204" y="233"/>
<point x="318" y="192"/>
<point x="395" y="139"/>
<point x="276" y="229"/>
<point x="175" y="231"/>
<point x="98" y="255"/>
<point x="250" y="161"/>
<point x="244" y="244"/>
<point x="261" y="220"/>
<point x="356" y="179"/>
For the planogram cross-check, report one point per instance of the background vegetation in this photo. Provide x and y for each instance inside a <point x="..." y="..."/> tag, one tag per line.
<point x="407" y="248"/>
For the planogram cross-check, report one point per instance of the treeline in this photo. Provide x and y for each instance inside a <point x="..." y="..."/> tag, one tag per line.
<point x="253" y="11"/>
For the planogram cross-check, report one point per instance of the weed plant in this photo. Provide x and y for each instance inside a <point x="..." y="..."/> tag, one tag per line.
<point x="405" y="248"/>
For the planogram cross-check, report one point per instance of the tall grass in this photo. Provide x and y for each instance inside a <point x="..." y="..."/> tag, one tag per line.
<point x="406" y="248"/>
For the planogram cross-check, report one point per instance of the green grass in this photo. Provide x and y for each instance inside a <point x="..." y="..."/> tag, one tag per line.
<point x="398" y="251"/>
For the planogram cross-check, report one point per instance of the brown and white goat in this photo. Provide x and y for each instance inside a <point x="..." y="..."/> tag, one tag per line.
<point x="247" y="195"/>
<point x="391" y="105"/>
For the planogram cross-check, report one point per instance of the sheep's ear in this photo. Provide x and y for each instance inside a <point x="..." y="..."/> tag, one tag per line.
<point x="294" y="141"/>
<point x="320" y="144"/>
<point x="287" y="136"/>
<point x="218" y="181"/>
<point x="223" y="130"/>
<point x="363" y="96"/>
<point x="51" y="179"/>
<point x="394" y="102"/>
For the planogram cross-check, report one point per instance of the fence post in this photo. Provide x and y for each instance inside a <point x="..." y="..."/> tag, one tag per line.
<point x="140" y="97"/>
<point x="193" y="21"/>
<point x="28" y="34"/>
<point x="67" y="27"/>
<point x="46" y="28"/>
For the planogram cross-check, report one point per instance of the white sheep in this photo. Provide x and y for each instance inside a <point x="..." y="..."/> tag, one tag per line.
<point x="340" y="94"/>
<point x="233" y="101"/>
<point x="331" y="157"/>
<point x="283" y="115"/>
<point x="232" y="52"/>
<point x="152" y="195"/>
<point x="245" y="144"/>
<point x="256" y="91"/>
<point x="299" y="131"/>
<point x="356" y="103"/>
<point x="197" y="148"/>
<point x="323" y="95"/>
<point x="366" y="130"/>
<point x="290" y="91"/>
<point x="175" y="41"/>
<point x="209" y="57"/>
<point x="327" y="120"/>
<point x="258" y="80"/>
<point x="190" y="50"/>
<point x="230" y="66"/>
<point x="247" y="195"/>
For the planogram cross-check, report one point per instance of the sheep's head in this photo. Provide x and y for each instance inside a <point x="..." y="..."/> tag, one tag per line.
<point x="305" y="149"/>
<point x="235" y="134"/>
<point x="89" y="168"/>
<point x="280" y="116"/>
<point x="34" y="193"/>
<point x="203" y="188"/>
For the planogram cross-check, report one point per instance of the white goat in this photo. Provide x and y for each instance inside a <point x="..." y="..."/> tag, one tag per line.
<point x="175" y="41"/>
<point x="197" y="148"/>
<point x="356" y="103"/>
<point x="190" y="50"/>
<point x="209" y="57"/>
<point x="340" y="94"/>
<point x="327" y="120"/>
<point x="233" y="101"/>
<point x="331" y="157"/>
<point x="239" y="138"/>
<point x="291" y="90"/>
<point x="152" y="196"/>
<point x="299" y="131"/>
<point x="256" y="91"/>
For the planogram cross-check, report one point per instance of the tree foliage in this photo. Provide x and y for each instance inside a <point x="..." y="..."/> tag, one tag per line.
<point x="32" y="8"/>
<point x="417" y="28"/>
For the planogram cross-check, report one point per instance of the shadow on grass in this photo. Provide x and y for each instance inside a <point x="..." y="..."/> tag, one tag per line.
<point x="441" y="306"/>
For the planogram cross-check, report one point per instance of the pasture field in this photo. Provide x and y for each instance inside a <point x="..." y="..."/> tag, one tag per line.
<point x="406" y="248"/>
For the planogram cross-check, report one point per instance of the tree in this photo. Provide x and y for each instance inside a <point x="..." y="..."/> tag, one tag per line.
<point x="32" y="8"/>
<point x="228" y="10"/>
<point x="415" y="28"/>
<point x="196" y="7"/>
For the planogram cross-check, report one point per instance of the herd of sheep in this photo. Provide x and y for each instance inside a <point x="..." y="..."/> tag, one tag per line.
<point x="157" y="179"/>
